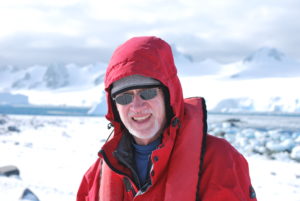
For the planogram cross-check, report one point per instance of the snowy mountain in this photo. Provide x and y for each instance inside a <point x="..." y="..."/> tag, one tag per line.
<point x="54" y="76"/>
<point x="261" y="82"/>
<point x="186" y="66"/>
<point x="268" y="62"/>
<point x="265" y="54"/>
<point x="15" y="99"/>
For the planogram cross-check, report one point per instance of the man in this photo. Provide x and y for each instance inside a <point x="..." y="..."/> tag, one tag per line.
<point x="159" y="150"/>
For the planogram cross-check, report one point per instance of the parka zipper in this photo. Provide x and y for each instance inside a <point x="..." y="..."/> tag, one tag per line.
<point x="128" y="186"/>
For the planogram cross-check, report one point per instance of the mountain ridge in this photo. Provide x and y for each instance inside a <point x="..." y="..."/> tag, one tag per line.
<point x="262" y="78"/>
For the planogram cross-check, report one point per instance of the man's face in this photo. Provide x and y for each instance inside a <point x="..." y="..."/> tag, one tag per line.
<point x="144" y="119"/>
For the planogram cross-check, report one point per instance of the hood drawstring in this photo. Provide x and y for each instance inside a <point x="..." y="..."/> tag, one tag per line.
<point x="109" y="126"/>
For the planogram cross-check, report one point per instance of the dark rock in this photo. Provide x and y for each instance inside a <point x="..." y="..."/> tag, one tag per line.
<point x="9" y="171"/>
<point x="29" y="195"/>
<point x="220" y="133"/>
<point x="233" y="120"/>
<point x="56" y="76"/>
<point x="13" y="129"/>
<point x="2" y="121"/>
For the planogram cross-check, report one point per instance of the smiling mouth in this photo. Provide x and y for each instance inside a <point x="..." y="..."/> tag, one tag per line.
<point x="139" y="119"/>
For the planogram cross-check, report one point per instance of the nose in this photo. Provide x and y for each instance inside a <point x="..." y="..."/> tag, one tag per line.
<point x="137" y="101"/>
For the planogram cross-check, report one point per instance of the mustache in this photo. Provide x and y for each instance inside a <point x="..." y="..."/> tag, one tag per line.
<point x="142" y="112"/>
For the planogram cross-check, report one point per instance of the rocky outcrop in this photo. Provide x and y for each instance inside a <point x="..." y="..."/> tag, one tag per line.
<point x="9" y="170"/>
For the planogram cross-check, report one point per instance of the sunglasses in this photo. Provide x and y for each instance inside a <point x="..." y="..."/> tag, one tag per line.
<point x="145" y="94"/>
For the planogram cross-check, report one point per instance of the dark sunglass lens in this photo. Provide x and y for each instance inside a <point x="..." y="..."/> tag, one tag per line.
<point x="124" y="99"/>
<point x="148" y="94"/>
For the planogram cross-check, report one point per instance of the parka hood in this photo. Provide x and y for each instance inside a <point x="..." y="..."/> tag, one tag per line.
<point x="147" y="56"/>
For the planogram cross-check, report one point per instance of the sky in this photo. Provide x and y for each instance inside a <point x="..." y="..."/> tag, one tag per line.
<point x="87" y="31"/>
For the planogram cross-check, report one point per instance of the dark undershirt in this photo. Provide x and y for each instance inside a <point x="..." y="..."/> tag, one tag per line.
<point x="142" y="155"/>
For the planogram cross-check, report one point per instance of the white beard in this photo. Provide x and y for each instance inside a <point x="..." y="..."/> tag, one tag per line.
<point x="152" y="132"/>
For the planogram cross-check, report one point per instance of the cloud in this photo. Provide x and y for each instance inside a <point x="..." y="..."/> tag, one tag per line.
<point x="86" y="31"/>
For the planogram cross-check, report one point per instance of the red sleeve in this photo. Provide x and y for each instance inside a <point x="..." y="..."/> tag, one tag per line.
<point x="225" y="174"/>
<point x="89" y="187"/>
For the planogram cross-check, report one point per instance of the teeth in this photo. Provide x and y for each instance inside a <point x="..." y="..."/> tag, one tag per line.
<point x="140" y="118"/>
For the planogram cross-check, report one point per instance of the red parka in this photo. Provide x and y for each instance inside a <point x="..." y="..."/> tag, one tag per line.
<point x="188" y="165"/>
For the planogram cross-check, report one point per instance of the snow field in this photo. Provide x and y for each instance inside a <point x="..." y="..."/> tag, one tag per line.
<point x="53" y="153"/>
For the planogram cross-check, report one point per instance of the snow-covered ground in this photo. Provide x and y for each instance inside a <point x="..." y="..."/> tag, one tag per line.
<point x="53" y="153"/>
